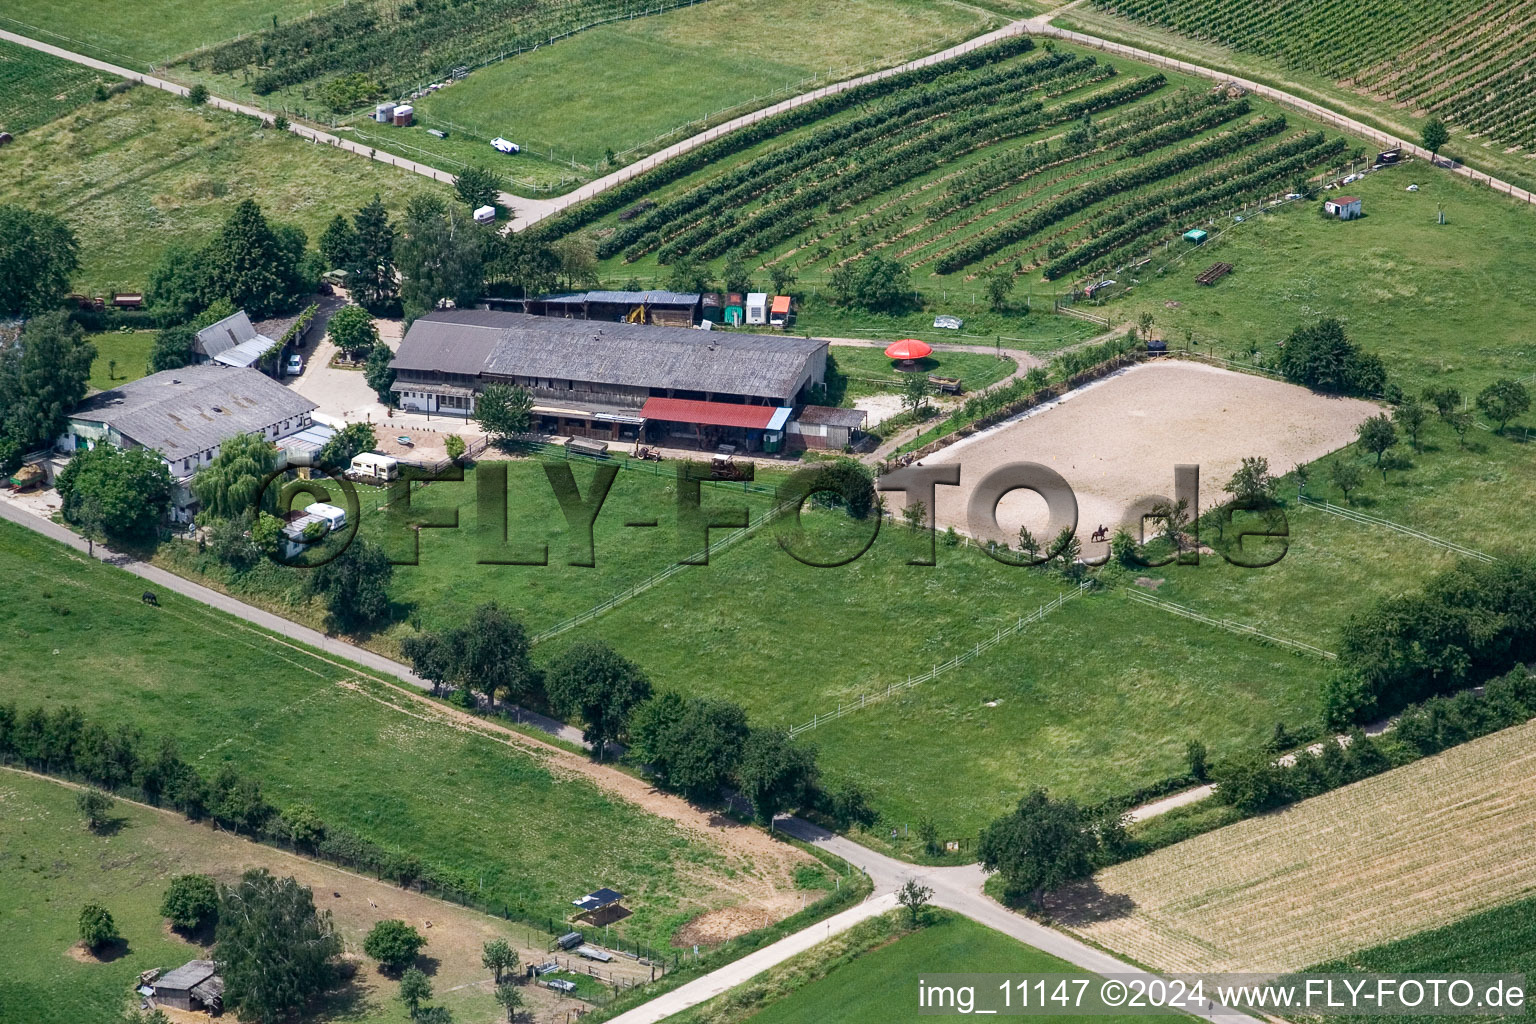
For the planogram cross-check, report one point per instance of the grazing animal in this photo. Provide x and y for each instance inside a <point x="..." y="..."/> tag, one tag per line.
<point x="148" y="597"/>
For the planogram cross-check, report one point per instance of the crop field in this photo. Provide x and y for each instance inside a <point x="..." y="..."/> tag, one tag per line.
<point x="1377" y="861"/>
<point x="50" y="865"/>
<point x="144" y="170"/>
<point x="631" y="99"/>
<point x="1030" y="162"/>
<point x="35" y="88"/>
<point x="525" y="827"/>
<point x="1463" y="60"/>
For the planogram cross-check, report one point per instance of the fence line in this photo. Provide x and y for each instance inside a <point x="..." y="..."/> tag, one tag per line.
<point x="1240" y="628"/>
<point x="1369" y="520"/>
<point x="866" y="699"/>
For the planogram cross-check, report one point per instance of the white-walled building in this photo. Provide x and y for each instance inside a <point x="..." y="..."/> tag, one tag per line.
<point x="184" y="416"/>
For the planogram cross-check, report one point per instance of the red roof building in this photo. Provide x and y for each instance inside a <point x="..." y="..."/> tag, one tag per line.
<point x="711" y="414"/>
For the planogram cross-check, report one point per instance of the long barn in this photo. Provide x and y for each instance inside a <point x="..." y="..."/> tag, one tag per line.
<point x="612" y="380"/>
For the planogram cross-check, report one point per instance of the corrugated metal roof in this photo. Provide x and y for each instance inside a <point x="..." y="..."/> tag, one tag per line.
<point x="482" y="341"/>
<point x="247" y="353"/>
<point x="714" y="414"/>
<point x="182" y="412"/>
<point x="828" y="416"/>
<point x="223" y="335"/>
<point x="781" y="303"/>
<point x="657" y="298"/>
<point x="187" y="975"/>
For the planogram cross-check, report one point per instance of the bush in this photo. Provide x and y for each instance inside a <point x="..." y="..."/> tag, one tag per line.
<point x="97" y="929"/>
<point x="394" y="944"/>
<point x="191" y="902"/>
<point x="197" y="95"/>
<point x="1321" y="356"/>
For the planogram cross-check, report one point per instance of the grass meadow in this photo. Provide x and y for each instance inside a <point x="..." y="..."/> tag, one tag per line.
<point x="126" y="34"/>
<point x="144" y="170"/>
<point x="319" y="731"/>
<point x="1434" y="841"/>
<point x="863" y="977"/>
<point x="618" y="87"/>
<point x="50" y="865"/>
<point x="129" y="350"/>
<point x="869" y="372"/>
<point x="36" y="88"/>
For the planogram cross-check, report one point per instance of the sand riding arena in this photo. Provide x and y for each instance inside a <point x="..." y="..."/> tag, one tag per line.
<point x="1118" y="439"/>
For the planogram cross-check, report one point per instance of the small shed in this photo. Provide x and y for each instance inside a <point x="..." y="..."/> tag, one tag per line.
<point x="193" y="986"/>
<point x="823" y="427"/>
<point x="485" y="214"/>
<point x="405" y="114"/>
<point x="1344" y="207"/>
<point x="778" y="314"/>
<point x="735" y="309"/>
<point x="714" y="307"/>
<point x="1197" y="236"/>
<point x="757" y="307"/>
<point x="384" y="113"/>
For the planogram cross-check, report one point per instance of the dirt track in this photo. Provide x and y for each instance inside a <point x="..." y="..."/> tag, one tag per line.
<point x="1119" y="438"/>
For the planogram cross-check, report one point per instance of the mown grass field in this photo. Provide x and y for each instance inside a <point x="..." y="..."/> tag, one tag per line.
<point x="36" y="88"/>
<point x="1444" y="305"/>
<point x="144" y="170"/>
<point x="51" y="865"/>
<point x="312" y="729"/>
<point x="870" y="372"/>
<point x="641" y="79"/>
<point x="874" y="981"/>
<point x="128" y="350"/>
<point x="1378" y="861"/>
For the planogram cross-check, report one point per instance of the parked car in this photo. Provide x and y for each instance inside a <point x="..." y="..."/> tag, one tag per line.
<point x="501" y="145"/>
<point x="295" y="365"/>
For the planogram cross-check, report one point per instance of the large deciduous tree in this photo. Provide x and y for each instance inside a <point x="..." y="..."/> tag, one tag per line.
<point x="1321" y="356"/>
<point x="592" y="681"/>
<point x="371" y="263"/>
<point x="274" y="950"/>
<point x="38" y="256"/>
<point x="354" y="586"/>
<point x="230" y="484"/>
<point x="191" y="902"/>
<point x="352" y="331"/>
<point x="1041" y="845"/>
<point x="775" y="773"/>
<point x="394" y="944"/>
<point x="504" y="411"/>
<point x="1503" y="400"/>
<point x="43" y="376"/>
<point x="126" y="491"/>
<point x="441" y="256"/>
<point x="477" y="186"/>
<point x="252" y="264"/>
<point x="692" y="743"/>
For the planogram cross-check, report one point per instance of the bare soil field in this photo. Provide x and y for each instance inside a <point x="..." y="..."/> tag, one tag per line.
<point x="1118" y="439"/>
<point x="1380" y="860"/>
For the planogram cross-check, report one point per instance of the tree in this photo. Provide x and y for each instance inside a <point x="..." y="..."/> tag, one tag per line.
<point x="504" y="411"/>
<point x="415" y="989"/>
<point x="1445" y="400"/>
<point x="590" y="680"/>
<point x="338" y="243"/>
<point x="1198" y="759"/>
<point x="274" y="950"/>
<point x="492" y="655"/>
<point x="1144" y="324"/>
<point x="738" y="276"/>
<point x="252" y="264"/>
<point x="280" y="123"/>
<point x="477" y="186"/>
<point x="1174" y="515"/>
<point x="914" y="896"/>
<point x="1503" y="400"/>
<point x="354" y="586"/>
<point x="352" y="331"/>
<point x="431" y="658"/>
<point x="1041" y="845"/>
<point x="999" y="287"/>
<point x="914" y="391"/>
<point x="875" y="283"/>
<point x="687" y="275"/>
<point x="527" y="263"/>
<point x="97" y="929"/>
<point x="435" y="1015"/>
<point x="782" y="277"/>
<point x="371" y="277"/>
<point x="39" y="255"/>
<point x="229" y="485"/>
<point x="1346" y="476"/>
<point x="1410" y="415"/>
<point x="499" y="957"/>
<point x="394" y="944"/>
<point x="1435" y="136"/>
<point x="1251" y="782"/>
<point x="1252" y="482"/>
<point x="129" y="488"/>
<point x="347" y="443"/>
<point x="95" y="807"/>
<point x="1066" y="549"/>
<point x="510" y="999"/>
<point x="454" y="445"/>
<point x="577" y="256"/>
<point x="172" y="349"/>
<point x="43" y="376"/>
<point x="915" y="515"/>
<point x="693" y="743"/>
<point x="381" y="377"/>
<point x="1461" y="422"/>
<point x="197" y="95"/>
<point x="177" y="289"/>
<point x="775" y="773"/>
<point x="1029" y="545"/>
<point x="1321" y="356"/>
<point x="440" y="256"/>
<point x="91" y="522"/>
<point x="1376" y="435"/>
<point x="191" y="902"/>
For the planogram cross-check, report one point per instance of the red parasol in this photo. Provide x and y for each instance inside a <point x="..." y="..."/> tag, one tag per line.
<point x="909" y="349"/>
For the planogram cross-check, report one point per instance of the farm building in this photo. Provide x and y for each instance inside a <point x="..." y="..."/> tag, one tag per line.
<point x="193" y="986"/>
<point x="667" y="309"/>
<point x="598" y="380"/>
<point x="1344" y="207"/>
<point x="823" y="427"/>
<point x="184" y="416"/>
<point x="233" y="341"/>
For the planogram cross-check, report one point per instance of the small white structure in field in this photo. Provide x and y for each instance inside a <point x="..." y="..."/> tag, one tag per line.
<point x="485" y="214"/>
<point x="1344" y="207"/>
